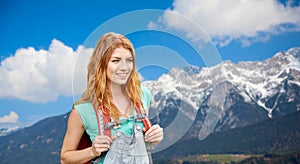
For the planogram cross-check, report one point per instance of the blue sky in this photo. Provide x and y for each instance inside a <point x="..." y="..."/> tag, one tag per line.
<point x="36" y="82"/>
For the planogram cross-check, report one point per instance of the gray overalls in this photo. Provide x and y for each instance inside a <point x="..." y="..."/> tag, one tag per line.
<point x="128" y="149"/>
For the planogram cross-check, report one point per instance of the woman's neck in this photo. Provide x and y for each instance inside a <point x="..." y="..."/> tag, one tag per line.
<point x="117" y="91"/>
<point x="121" y="99"/>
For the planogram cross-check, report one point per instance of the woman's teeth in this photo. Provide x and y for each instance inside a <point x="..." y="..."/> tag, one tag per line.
<point x="121" y="74"/>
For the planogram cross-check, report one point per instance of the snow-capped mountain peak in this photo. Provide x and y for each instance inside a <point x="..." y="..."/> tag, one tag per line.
<point x="227" y="92"/>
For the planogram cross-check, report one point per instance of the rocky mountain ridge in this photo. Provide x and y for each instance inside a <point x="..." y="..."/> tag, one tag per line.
<point x="229" y="95"/>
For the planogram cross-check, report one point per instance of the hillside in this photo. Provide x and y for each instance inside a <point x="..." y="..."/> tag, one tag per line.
<point x="280" y="135"/>
<point x="40" y="143"/>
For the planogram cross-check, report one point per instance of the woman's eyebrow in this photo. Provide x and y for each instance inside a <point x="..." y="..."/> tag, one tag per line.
<point x="117" y="57"/>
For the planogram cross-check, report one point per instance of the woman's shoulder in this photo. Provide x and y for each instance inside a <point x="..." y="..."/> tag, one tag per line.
<point x="146" y="97"/>
<point x="145" y="91"/>
<point x="83" y="107"/>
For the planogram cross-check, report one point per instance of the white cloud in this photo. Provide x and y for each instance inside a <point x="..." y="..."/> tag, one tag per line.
<point x="245" y="20"/>
<point x="13" y="117"/>
<point x="40" y="75"/>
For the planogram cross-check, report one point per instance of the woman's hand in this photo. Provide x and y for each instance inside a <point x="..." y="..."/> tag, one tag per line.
<point x="101" y="144"/>
<point x="155" y="134"/>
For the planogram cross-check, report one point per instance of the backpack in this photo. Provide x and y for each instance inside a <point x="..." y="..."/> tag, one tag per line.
<point x="85" y="140"/>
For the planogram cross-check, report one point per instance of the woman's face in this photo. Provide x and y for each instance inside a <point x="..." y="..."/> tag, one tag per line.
<point x="120" y="66"/>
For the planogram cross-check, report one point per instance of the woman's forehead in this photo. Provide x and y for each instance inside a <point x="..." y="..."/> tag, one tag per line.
<point x="121" y="53"/>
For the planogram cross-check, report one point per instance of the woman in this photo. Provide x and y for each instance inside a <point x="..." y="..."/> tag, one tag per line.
<point x="111" y="109"/>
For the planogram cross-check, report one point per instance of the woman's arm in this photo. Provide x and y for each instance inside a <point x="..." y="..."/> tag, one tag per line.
<point x="69" y="152"/>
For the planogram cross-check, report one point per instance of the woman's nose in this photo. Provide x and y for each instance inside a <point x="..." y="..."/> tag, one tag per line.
<point x="123" y="65"/>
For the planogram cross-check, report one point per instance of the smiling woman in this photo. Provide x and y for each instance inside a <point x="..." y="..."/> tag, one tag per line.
<point x="112" y="111"/>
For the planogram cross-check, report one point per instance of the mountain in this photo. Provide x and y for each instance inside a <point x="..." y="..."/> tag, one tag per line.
<point x="228" y="95"/>
<point x="193" y="104"/>
<point x="279" y="135"/>
<point x="6" y="131"/>
<point x="39" y="143"/>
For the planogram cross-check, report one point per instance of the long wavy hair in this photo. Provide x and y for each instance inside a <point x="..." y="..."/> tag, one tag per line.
<point x="97" y="90"/>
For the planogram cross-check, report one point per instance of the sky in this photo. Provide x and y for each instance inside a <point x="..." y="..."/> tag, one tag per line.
<point x="46" y="44"/>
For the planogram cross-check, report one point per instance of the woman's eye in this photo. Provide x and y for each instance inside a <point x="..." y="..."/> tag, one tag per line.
<point x="115" y="61"/>
<point x="129" y="60"/>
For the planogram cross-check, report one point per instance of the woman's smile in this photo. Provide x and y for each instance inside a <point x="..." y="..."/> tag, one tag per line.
<point x="122" y="76"/>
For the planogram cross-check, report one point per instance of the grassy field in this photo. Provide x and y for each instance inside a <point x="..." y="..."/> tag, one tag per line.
<point x="218" y="158"/>
<point x="291" y="157"/>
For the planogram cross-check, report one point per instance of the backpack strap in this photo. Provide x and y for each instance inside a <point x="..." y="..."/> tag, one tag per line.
<point x="145" y="119"/>
<point x="102" y="119"/>
<point x="138" y="109"/>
